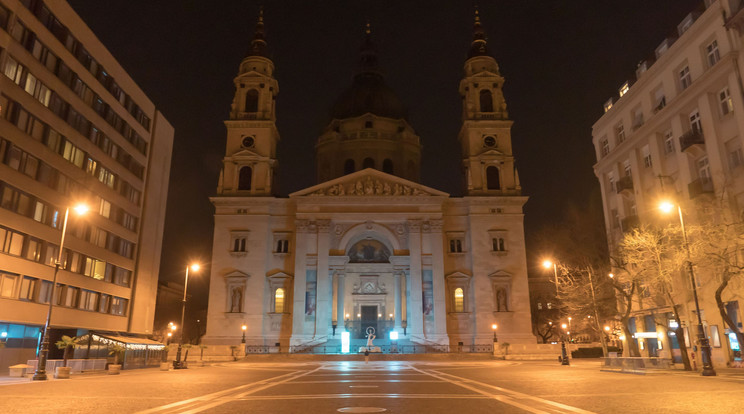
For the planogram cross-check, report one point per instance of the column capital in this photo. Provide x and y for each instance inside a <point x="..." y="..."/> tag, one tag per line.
<point x="414" y="226"/>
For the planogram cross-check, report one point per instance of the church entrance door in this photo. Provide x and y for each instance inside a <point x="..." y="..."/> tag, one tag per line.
<point x="369" y="318"/>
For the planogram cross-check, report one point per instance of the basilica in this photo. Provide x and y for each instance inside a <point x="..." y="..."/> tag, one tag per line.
<point x="368" y="246"/>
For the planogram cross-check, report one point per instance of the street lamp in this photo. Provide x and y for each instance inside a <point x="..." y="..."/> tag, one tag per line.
<point x="195" y="267"/>
<point x="569" y="329"/>
<point x="40" y="374"/>
<point x="242" y="341"/>
<point x="494" y="327"/>
<point x="708" y="369"/>
<point x="548" y="264"/>
<point x="564" y="354"/>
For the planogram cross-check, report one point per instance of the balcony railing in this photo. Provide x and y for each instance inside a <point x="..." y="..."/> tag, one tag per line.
<point x="629" y="223"/>
<point x="690" y="139"/>
<point x="699" y="187"/>
<point x="625" y="184"/>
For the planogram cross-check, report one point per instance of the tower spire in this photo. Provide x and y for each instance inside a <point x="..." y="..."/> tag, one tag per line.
<point x="478" y="47"/>
<point x="258" y="44"/>
<point x="368" y="55"/>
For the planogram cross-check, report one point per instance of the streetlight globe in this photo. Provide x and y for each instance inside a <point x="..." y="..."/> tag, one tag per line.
<point x="666" y="206"/>
<point x="173" y="327"/>
<point x="611" y="275"/>
<point x="195" y="267"/>
<point x="169" y="334"/>
<point x="244" y="327"/>
<point x="607" y="328"/>
<point x="564" y="326"/>
<point x="81" y="209"/>
<point x="494" y="326"/>
<point x="547" y="264"/>
<point x="569" y="319"/>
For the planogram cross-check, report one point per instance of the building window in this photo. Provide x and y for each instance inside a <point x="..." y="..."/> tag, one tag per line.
<point x="660" y="98"/>
<point x="455" y="246"/>
<point x="279" y="301"/>
<point x="239" y="244"/>
<point x="725" y="102"/>
<point x="620" y="132"/>
<point x="539" y="305"/>
<point x="118" y="306"/>
<point x="626" y="168"/>
<point x="7" y="285"/>
<point x="349" y="167"/>
<point x="624" y="89"/>
<point x="387" y="166"/>
<point x="459" y="300"/>
<point x="703" y="167"/>
<point x="251" y="101"/>
<point x="605" y="147"/>
<point x="486" y="101"/>
<point x="28" y="288"/>
<point x="368" y="163"/>
<point x="669" y="142"/>
<point x="498" y="244"/>
<point x="734" y="153"/>
<point x="695" y="124"/>
<point x="549" y="305"/>
<point x="646" y="156"/>
<point x="282" y="246"/>
<point x="712" y="53"/>
<point x="492" y="178"/>
<point x="244" y="180"/>
<point x="368" y="124"/>
<point x="611" y="181"/>
<point x="685" y="79"/>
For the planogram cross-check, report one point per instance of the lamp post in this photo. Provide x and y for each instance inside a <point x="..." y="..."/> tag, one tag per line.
<point x="242" y="341"/>
<point x="569" y="329"/>
<point x="177" y="364"/>
<point x="40" y="373"/>
<point x="494" y="327"/>
<point x="564" y="354"/>
<point x="708" y="370"/>
<point x="548" y="264"/>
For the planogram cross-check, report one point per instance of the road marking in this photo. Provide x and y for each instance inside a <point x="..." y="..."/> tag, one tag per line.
<point x="364" y="386"/>
<point x="509" y="394"/>
<point x="208" y="397"/>
<point x="362" y="396"/>
<point x="361" y="410"/>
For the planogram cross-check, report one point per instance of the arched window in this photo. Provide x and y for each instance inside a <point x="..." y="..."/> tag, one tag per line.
<point x="244" y="180"/>
<point x="387" y="166"/>
<point x="492" y="178"/>
<point x="251" y="101"/>
<point x="459" y="300"/>
<point x="368" y="163"/>
<point x="349" y="166"/>
<point x="486" y="101"/>
<point x="279" y="300"/>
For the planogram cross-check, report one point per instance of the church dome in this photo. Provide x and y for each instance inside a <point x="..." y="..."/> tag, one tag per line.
<point x="369" y="94"/>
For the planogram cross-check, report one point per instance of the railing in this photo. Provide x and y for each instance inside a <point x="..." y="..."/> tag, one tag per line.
<point x="634" y="365"/>
<point x="700" y="186"/>
<point x="385" y="349"/>
<point x="624" y="183"/>
<point x="76" y="365"/>
<point x="694" y="137"/>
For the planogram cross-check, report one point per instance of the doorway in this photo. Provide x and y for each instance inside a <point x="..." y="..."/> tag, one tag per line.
<point x="369" y="319"/>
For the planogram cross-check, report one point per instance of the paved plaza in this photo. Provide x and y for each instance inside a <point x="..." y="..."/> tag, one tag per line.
<point x="379" y="386"/>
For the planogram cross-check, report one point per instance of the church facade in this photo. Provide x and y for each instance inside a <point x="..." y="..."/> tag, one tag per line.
<point x="368" y="246"/>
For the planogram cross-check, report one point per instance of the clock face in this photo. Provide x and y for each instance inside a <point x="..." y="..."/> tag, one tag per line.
<point x="489" y="141"/>
<point x="248" y="142"/>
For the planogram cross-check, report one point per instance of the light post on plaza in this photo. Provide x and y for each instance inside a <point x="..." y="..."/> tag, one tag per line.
<point x="195" y="267"/>
<point x="244" y="327"/>
<point x="548" y="264"/>
<point x="494" y="327"/>
<point x="569" y="329"/>
<point x="40" y="374"/>
<point x="708" y="369"/>
<point x="564" y="354"/>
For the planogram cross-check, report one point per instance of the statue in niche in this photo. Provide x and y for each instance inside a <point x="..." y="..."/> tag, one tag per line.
<point x="236" y="305"/>
<point x="501" y="305"/>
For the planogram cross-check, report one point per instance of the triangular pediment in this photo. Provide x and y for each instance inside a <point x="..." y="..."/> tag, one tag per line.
<point x="245" y="153"/>
<point x="236" y="274"/>
<point x="492" y="151"/>
<point x="371" y="183"/>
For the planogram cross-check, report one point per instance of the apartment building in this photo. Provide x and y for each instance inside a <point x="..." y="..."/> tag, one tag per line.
<point x="75" y="127"/>
<point x="677" y="130"/>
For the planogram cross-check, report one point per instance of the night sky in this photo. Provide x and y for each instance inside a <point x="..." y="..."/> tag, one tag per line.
<point x="561" y="59"/>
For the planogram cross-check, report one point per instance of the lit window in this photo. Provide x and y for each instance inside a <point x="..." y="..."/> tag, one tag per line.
<point x="725" y="102"/>
<point x="712" y="52"/>
<point x="459" y="300"/>
<point x="279" y="301"/>
<point x="624" y="89"/>
<point x="549" y="305"/>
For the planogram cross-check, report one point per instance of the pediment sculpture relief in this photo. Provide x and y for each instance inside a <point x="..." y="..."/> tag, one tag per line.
<point x="368" y="186"/>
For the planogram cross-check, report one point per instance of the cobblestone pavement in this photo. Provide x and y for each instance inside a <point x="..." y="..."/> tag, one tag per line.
<point x="379" y="386"/>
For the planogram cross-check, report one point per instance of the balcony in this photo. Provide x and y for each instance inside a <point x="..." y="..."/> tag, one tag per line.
<point x="625" y="185"/>
<point x="693" y="141"/>
<point x="629" y="223"/>
<point x="700" y="186"/>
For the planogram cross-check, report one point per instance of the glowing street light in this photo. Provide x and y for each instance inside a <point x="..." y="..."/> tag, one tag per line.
<point x="242" y="341"/>
<point x="40" y="374"/>
<point x="708" y="370"/>
<point x="494" y="327"/>
<point x="177" y="363"/>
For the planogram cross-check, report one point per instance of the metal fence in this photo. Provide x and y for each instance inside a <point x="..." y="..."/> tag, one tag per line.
<point x="634" y="365"/>
<point x="76" y="365"/>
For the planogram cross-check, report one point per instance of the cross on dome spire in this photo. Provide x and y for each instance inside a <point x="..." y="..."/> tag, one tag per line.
<point x="258" y="44"/>
<point x="478" y="47"/>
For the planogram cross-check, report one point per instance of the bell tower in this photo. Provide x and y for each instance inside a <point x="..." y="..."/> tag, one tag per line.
<point x="250" y="164"/>
<point x="485" y="135"/>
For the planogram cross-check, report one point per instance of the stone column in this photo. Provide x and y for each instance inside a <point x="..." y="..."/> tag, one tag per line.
<point x="415" y="308"/>
<point x="300" y="283"/>
<point x="398" y="304"/>
<point x="340" y="302"/>
<point x="324" y="290"/>
<point x="439" y="288"/>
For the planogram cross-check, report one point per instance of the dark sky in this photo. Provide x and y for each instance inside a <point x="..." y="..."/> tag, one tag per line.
<point x="561" y="59"/>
